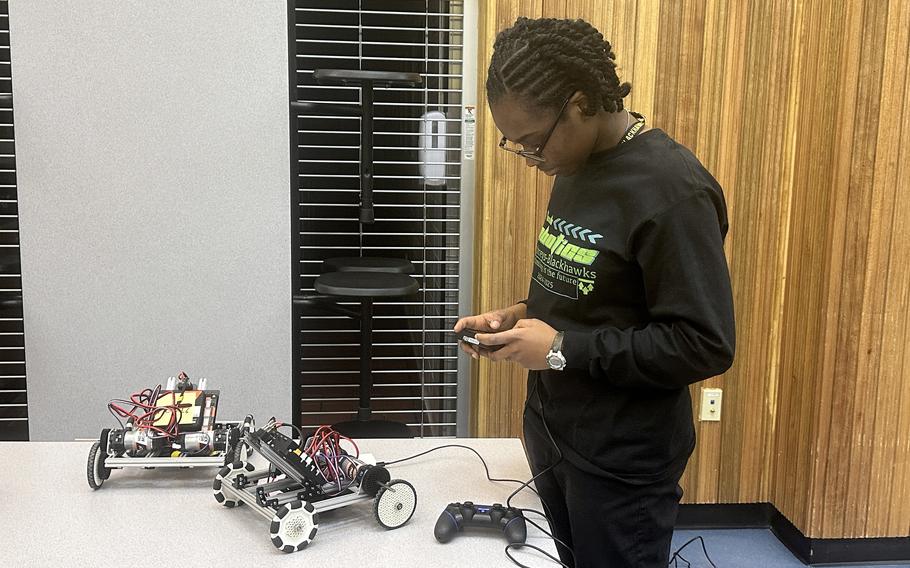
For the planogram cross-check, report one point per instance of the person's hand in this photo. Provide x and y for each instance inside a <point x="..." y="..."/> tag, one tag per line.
<point x="496" y="320"/>
<point x="527" y="344"/>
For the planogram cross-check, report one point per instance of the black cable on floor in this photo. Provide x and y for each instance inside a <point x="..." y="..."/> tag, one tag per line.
<point x="677" y="555"/>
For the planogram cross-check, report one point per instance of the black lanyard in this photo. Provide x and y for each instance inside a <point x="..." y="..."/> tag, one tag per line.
<point x="634" y="129"/>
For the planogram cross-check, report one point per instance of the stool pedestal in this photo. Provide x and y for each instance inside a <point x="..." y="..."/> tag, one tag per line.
<point x="362" y="287"/>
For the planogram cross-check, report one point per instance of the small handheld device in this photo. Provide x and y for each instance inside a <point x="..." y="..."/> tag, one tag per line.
<point x="508" y="520"/>
<point x="467" y="335"/>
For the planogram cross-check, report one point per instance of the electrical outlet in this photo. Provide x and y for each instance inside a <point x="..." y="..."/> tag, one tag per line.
<point x="710" y="404"/>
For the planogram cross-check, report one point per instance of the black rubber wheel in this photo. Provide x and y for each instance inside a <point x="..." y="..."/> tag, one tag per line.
<point x="239" y="450"/>
<point x="95" y="468"/>
<point x="395" y="504"/>
<point x="233" y="438"/>
<point x="374" y="478"/>
<point x="105" y="472"/>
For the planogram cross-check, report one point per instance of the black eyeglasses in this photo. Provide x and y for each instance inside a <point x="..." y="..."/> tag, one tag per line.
<point x="536" y="154"/>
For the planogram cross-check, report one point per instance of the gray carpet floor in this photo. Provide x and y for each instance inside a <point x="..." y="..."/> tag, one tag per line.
<point x="742" y="548"/>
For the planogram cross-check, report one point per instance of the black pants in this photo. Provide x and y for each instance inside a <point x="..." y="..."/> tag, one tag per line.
<point x="607" y="523"/>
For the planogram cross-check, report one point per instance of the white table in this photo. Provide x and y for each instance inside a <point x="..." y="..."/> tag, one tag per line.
<point x="165" y="517"/>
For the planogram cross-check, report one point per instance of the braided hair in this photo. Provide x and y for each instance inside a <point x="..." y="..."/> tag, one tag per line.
<point x="544" y="60"/>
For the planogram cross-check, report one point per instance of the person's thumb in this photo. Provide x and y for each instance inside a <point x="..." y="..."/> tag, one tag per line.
<point x="494" y="320"/>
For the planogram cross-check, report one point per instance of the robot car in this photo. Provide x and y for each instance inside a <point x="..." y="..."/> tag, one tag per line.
<point x="170" y="427"/>
<point x="298" y="481"/>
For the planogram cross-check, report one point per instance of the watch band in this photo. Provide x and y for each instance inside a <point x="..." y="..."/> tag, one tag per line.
<point x="557" y="342"/>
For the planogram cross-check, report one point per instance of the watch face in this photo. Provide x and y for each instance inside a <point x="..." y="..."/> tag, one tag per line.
<point x="555" y="361"/>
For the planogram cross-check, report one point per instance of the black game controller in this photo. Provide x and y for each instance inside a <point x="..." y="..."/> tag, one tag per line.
<point x="456" y="516"/>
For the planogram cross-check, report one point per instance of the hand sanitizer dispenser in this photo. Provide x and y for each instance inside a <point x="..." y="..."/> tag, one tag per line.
<point x="433" y="148"/>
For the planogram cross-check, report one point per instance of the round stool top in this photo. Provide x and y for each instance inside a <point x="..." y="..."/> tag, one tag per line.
<point x="365" y="284"/>
<point x="368" y="264"/>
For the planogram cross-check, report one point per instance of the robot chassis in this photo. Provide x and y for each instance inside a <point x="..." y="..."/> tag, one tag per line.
<point x="293" y="501"/>
<point x="177" y="428"/>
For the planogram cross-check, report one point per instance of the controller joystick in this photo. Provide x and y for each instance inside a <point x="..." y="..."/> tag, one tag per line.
<point x="456" y="516"/>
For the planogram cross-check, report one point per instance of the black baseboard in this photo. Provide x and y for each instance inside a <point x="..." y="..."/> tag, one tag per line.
<point x="811" y="551"/>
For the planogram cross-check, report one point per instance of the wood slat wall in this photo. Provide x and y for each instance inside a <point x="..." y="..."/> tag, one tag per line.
<point x="843" y="436"/>
<point x="799" y="110"/>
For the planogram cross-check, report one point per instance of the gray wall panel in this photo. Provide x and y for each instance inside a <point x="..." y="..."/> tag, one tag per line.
<point x="152" y="147"/>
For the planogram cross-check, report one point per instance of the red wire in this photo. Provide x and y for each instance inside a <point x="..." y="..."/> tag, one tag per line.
<point x="146" y="400"/>
<point x="327" y="442"/>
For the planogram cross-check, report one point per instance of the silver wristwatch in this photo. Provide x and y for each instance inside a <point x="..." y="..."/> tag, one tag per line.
<point x="555" y="359"/>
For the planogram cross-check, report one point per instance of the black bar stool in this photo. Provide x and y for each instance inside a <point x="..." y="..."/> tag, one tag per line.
<point x="361" y="279"/>
<point x="363" y="287"/>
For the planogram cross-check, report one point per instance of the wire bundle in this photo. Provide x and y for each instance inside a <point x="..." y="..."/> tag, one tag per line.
<point x="143" y="411"/>
<point x="324" y="447"/>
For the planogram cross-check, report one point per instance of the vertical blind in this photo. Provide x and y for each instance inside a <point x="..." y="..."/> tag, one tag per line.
<point x="13" y="400"/>
<point x="417" y="201"/>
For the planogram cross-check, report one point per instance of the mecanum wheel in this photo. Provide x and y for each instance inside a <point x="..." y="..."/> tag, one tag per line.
<point x="294" y="526"/>
<point x="395" y="503"/>
<point x="223" y="474"/>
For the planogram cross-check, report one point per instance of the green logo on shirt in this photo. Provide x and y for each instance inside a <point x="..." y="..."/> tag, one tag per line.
<point x="558" y="245"/>
<point x="585" y="286"/>
<point x="561" y="267"/>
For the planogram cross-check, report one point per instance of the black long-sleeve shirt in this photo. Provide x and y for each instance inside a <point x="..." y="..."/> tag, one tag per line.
<point x="630" y="264"/>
